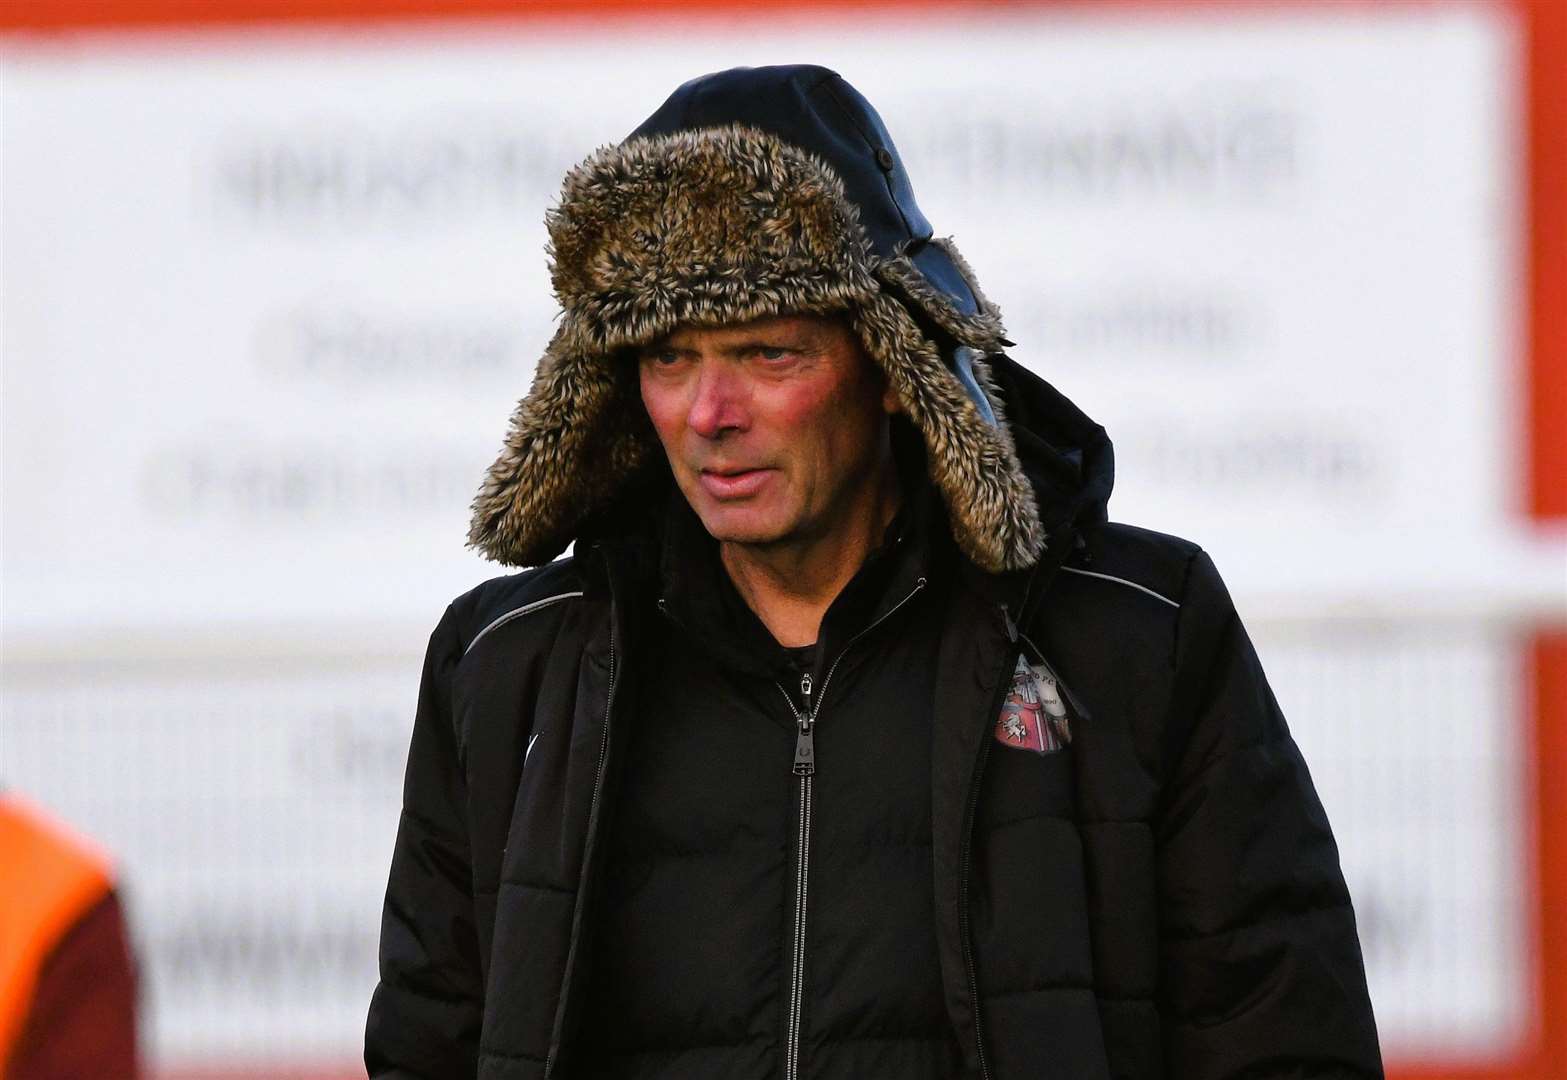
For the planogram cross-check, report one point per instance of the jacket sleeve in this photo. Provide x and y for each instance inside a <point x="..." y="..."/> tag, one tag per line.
<point x="425" y="1013"/>
<point x="1260" y="966"/>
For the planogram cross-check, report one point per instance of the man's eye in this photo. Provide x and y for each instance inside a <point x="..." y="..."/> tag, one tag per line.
<point x="772" y="352"/>
<point x="660" y="357"/>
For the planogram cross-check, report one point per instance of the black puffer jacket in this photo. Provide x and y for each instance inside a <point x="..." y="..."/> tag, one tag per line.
<point x="1161" y="898"/>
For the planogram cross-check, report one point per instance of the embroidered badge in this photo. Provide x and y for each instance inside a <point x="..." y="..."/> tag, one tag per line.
<point x="1034" y="715"/>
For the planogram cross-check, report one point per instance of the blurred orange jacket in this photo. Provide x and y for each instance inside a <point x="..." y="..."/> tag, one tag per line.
<point x="55" y="882"/>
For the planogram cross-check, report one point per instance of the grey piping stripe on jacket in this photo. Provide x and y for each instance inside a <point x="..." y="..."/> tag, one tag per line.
<point x="515" y="612"/>
<point x="1122" y="581"/>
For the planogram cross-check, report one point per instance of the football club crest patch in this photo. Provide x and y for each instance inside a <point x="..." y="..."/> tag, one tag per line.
<point x="1034" y="714"/>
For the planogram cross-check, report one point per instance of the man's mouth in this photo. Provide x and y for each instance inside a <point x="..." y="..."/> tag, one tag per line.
<point x="732" y="482"/>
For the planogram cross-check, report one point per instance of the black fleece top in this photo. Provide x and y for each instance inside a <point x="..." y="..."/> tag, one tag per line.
<point x="693" y="933"/>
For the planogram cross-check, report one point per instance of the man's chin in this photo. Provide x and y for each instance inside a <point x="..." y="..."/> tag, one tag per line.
<point x="734" y="525"/>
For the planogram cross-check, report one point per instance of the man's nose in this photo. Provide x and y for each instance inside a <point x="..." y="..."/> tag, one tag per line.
<point x="717" y="402"/>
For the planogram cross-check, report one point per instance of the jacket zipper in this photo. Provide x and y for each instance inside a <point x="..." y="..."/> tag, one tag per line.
<point x="966" y="857"/>
<point x="804" y="767"/>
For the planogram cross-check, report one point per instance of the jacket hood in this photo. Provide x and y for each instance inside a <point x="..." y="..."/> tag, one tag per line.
<point x="750" y="193"/>
<point x="1066" y="456"/>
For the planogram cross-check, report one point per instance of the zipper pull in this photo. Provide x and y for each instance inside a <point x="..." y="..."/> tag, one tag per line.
<point x="805" y="749"/>
<point x="804" y="742"/>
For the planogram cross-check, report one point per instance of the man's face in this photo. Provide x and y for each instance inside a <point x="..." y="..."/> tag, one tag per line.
<point x="776" y="429"/>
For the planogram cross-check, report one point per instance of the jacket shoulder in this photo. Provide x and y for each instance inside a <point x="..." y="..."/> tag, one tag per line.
<point x="1154" y="566"/>
<point x="493" y="603"/>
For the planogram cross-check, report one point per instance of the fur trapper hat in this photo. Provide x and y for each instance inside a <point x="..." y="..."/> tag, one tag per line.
<point x="710" y="225"/>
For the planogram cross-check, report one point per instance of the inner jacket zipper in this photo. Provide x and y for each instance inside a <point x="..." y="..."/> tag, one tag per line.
<point x="804" y="767"/>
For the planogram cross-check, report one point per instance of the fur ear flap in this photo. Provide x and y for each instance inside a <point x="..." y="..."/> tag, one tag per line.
<point x="990" y="503"/>
<point x="578" y="433"/>
<point x="982" y="331"/>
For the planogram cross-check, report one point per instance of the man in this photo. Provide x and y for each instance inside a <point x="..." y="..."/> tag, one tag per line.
<point x="852" y="741"/>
